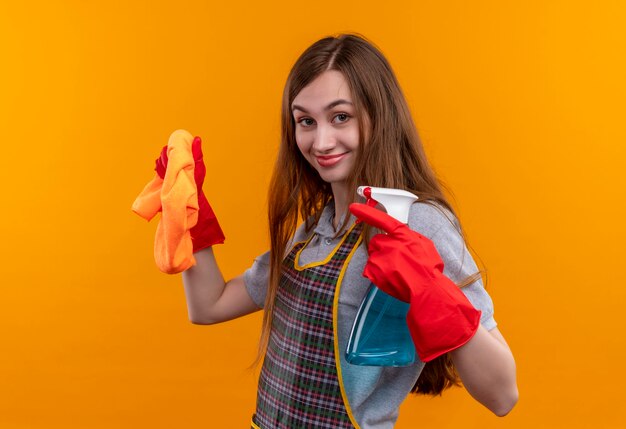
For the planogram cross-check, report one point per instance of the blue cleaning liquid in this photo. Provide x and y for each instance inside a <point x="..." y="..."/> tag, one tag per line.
<point x="380" y="335"/>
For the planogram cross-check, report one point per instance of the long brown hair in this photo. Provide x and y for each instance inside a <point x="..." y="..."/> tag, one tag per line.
<point x="390" y="155"/>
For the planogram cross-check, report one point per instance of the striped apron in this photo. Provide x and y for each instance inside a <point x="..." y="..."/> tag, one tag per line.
<point x="299" y="385"/>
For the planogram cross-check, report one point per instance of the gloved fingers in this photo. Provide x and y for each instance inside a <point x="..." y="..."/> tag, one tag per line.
<point x="196" y="148"/>
<point x="411" y="246"/>
<point x="387" y="247"/>
<point x="199" y="168"/>
<point x="381" y="243"/>
<point x="375" y="217"/>
<point x="161" y="163"/>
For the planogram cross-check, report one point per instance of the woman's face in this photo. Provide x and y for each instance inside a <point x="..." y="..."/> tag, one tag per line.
<point x="327" y="129"/>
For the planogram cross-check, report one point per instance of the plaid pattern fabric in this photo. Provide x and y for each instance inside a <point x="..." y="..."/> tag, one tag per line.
<point x="299" y="385"/>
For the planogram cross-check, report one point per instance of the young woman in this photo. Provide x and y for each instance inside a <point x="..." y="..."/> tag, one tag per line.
<point x="345" y="123"/>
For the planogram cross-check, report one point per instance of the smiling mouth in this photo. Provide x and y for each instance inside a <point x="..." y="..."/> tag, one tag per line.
<point x="329" y="160"/>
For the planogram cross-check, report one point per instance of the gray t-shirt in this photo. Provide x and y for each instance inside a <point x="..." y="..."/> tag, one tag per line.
<point x="374" y="394"/>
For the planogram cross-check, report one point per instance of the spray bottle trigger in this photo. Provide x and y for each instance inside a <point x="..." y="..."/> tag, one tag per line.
<point x="367" y="193"/>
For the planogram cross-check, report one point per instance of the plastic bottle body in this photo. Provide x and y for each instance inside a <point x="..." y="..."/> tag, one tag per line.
<point x="380" y="335"/>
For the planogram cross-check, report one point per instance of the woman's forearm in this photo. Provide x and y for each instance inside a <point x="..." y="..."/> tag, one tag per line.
<point x="487" y="369"/>
<point x="209" y="298"/>
<point x="204" y="284"/>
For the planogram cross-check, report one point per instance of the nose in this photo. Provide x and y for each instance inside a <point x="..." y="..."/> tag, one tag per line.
<point x="325" y="139"/>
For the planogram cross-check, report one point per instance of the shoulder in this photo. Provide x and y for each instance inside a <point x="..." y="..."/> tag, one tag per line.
<point x="430" y="218"/>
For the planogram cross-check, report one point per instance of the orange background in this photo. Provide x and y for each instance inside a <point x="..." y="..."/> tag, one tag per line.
<point x="520" y="106"/>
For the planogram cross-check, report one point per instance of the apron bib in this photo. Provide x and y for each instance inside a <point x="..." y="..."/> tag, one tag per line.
<point x="299" y="385"/>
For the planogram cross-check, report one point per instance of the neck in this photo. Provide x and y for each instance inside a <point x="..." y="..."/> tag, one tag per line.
<point x="340" y="197"/>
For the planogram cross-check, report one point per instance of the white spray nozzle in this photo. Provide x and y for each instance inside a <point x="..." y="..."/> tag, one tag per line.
<point x="397" y="202"/>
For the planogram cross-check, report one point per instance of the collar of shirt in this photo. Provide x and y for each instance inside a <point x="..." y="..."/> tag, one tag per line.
<point x="324" y="227"/>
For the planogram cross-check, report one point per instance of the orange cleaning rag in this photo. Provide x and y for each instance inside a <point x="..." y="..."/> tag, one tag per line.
<point x="176" y="196"/>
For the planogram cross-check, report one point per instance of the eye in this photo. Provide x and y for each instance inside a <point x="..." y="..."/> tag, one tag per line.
<point x="341" y="117"/>
<point x="305" y="122"/>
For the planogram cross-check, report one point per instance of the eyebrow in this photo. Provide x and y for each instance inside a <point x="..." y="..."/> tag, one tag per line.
<point x="330" y="106"/>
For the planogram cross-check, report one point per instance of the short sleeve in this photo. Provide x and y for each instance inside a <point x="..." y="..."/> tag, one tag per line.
<point x="440" y="225"/>
<point x="256" y="279"/>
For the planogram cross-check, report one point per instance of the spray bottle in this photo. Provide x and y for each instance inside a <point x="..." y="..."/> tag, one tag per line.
<point x="380" y="335"/>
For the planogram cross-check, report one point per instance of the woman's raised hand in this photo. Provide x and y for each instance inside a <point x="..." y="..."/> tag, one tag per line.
<point x="207" y="231"/>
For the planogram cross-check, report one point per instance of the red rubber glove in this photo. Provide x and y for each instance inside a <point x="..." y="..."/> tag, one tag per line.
<point x="207" y="231"/>
<point x="406" y="265"/>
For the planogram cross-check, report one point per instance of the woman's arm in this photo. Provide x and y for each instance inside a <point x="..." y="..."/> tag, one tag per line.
<point x="487" y="368"/>
<point x="209" y="298"/>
